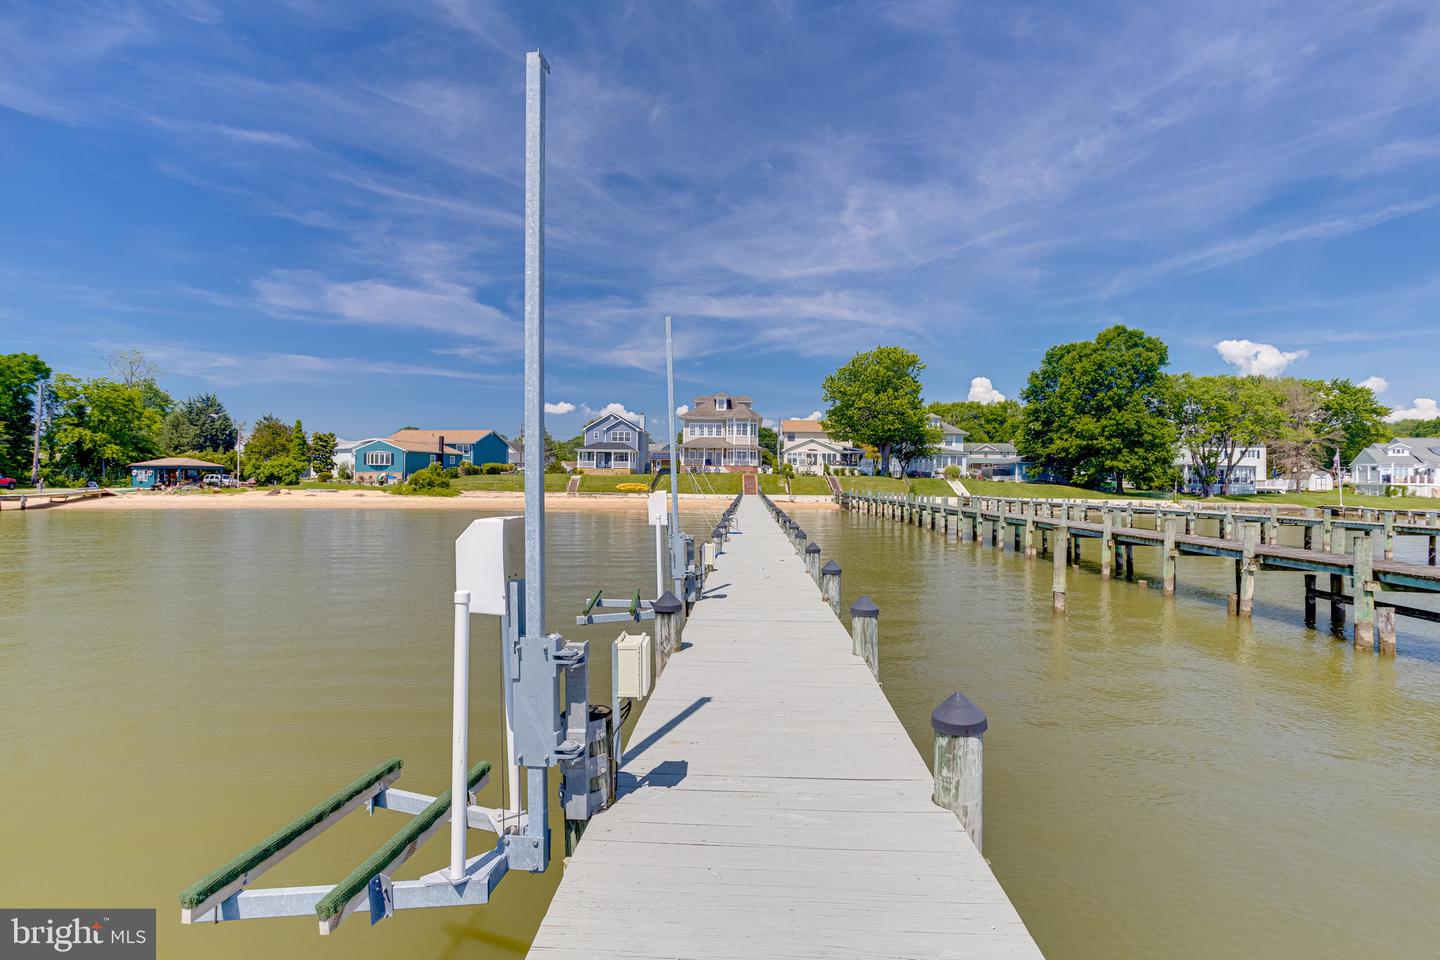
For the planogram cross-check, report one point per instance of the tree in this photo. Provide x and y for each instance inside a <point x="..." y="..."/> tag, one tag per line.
<point x="1098" y="408"/>
<point x="285" y="469"/>
<point x="875" y="399"/>
<point x="1356" y="414"/>
<point x="299" y="444"/>
<point x="767" y="440"/>
<point x="268" y="440"/>
<point x="21" y="375"/>
<point x="99" y="426"/>
<point x="322" y="452"/>
<point x="1304" y="431"/>
<point x="1218" y="418"/>
<point x="199" y="423"/>
<point x="983" y="422"/>
<point x="132" y="368"/>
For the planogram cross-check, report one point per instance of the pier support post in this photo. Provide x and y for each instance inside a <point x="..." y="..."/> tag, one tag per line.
<point x="1363" y="593"/>
<point x="1432" y="550"/>
<point x="1385" y="627"/>
<point x="1337" y="607"/>
<point x="1129" y="561"/>
<point x="1337" y="538"/>
<point x="1309" y="534"/>
<point x="800" y="542"/>
<point x="1061" y="558"/>
<point x="812" y="562"/>
<point x="1389" y="534"/>
<point x="1310" y="599"/>
<point x="1107" y="542"/>
<point x="1327" y="526"/>
<point x="667" y="629"/>
<point x="1000" y="526"/>
<point x="1030" y="532"/>
<point x="830" y="585"/>
<point x="1170" y="555"/>
<point x="1246" y="604"/>
<point x="865" y="633"/>
<point x="959" y="728"/>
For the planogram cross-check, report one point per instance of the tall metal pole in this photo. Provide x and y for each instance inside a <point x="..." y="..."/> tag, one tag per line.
<point x="677" y="550"/>
<point x="39" y="419"/>
<point x="460" y="737"/>
<point x="535" y="70"/>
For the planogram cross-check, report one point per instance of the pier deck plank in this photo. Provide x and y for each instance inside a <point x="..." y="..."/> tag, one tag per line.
<point x="772" y="804"/>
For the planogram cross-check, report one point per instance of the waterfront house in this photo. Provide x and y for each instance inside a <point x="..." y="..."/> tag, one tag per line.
<point x="806" y="446"/>
<point x="612" y="443"/>
<point x="1409" y="464"/>
<point x="170" y="472"/>
<point x="722" y="433"/>
<point x="476" y="446"/>
<point x="1245" y="472"/>
<point x="389" y="460"/>
<point x="950" y="452"/>
<point x="985" y="460"/>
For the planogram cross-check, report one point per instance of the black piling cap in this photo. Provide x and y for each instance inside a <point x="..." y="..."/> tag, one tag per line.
<point x="800" y="533"/>
<point x="813" y="548"/>
<point x="831" y="567"/>
<point x="667" y="603"/>
<point x="717" y="533"/>
<point x="958" y="717"/>
<point x="864" y="607"/>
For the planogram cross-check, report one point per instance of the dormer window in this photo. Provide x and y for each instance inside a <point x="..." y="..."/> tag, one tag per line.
<point x="722" y="403"/>
<point x="1399" y="450"/>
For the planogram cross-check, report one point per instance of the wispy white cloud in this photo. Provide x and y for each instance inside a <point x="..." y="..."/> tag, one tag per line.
<point x="683" y="409"/>
<point x="983" y="391"/>
<point x="813" y="415"/>
<point x="1424" y="408"/>
<point x="1376" y="384"/>
<point x="239" y="368"/>
<point x="616" y="408"/>
<point x="560" y="407"/>
<point x="1259" y="359"/>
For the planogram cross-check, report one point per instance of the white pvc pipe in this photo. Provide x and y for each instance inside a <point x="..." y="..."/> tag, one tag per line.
<point x="460" y="736"/>
<point x="659" y="560"/>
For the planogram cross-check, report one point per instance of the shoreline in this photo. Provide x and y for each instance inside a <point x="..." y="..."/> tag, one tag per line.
<point x="283" y="499"/>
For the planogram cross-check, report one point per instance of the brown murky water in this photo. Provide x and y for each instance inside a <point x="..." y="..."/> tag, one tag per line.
<point x="1162" y="781"/>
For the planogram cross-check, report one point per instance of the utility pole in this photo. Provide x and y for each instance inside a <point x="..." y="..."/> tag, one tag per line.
<point x="39" y="421"/>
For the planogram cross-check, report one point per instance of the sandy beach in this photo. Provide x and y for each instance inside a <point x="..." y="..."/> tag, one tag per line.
<point x="283" y="499"/>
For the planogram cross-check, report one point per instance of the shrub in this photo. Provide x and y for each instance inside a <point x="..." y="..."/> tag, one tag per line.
<point x="285" y="470"/>
<point x="343" y="472"/>
<point x="324" y="476"/>
<point x="952" y="472"/>
<point x="493" y="468"/>
<point x="433" y="477"/>
<point x="468" y="469"/>
<point x="451" y="473"/>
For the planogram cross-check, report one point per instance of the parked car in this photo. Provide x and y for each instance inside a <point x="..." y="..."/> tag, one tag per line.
<point x="8" y="483"/>
<point x="219" y="480"/>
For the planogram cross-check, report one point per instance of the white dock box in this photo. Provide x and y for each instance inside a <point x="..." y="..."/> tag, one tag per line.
<point x="635" y="666"/>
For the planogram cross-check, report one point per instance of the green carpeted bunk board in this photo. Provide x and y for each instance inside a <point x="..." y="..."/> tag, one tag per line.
<point x="359" y="879"/>
<point x="236" y="869"/>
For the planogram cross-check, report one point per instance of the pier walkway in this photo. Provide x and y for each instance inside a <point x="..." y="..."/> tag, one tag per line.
<point x="772" y="805"/>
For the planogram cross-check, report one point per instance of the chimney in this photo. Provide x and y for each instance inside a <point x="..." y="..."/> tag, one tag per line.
<point x="441" y="461"/>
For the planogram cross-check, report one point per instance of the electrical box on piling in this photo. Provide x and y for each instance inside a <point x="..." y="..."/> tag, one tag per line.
<point x="635" y="665"/>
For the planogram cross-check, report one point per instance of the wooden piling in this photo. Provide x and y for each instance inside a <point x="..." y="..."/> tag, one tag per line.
<point x="1129" y="561"/>
<point x="1310" y="599"/>
<point x="812" y="562"/>
<point x="1248" y="568"/>
<point x="1107" y="542"/>
<point x="667" y="629"/>
<point x="1385" y="628"/>
<point x="1337" y="606"/>
<point x="959" y="728"/>
<point x="1061" y="557"/>
<point x="1327" y="530"/>
<point x="1030" y="532"/>
<point x="830" y="585"/>
<point x="865" y="633"/>
<point x="1389" y="534"/>
<point x="1362" y="591"/>
<point x="1170" y="555"/>
<point x="1000" y="527"/>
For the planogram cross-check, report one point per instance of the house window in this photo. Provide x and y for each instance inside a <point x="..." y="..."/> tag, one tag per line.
<point x="722" y="403"/>
<point x="622" y="436"/>
<point x="379" y="458"/>
<point x="595" y="436"/>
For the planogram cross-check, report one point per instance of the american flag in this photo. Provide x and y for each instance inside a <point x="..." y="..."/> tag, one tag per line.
<point x="1337" y="461"/>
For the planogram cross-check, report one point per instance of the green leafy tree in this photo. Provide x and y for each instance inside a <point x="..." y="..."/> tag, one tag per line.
<point x="1097" y="409"/>
<point x="299" y="443"/>
<point x="1353" y="411"/>
<point x="1304" y="432"/>
<point x="875" y="399"/>
<point x="322" y="452"/>
<point x="268" y="440"/>
<point x="99" y="426"/>
<point x="199" y="423"/>
<point x="1412" y="428"/>
<point x="1218" y="417"/>
<point x="21" y="375"/>
<point x="282" y="470"/>
<point x="983" y="422"/>
<point x="767" y="441"/>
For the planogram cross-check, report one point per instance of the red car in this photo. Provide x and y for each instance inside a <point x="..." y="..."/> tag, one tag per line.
<point x="7" y="483"/>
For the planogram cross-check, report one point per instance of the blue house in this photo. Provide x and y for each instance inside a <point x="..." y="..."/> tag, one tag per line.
<point x="476" y="446"/>
<point x="392" y="461"/>
<point x="615" y="444"/>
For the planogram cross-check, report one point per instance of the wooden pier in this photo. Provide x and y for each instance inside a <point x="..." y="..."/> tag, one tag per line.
<point x="36" y="500"/>
<point x="771" y="804"/>
<point x="1345" y="550"/>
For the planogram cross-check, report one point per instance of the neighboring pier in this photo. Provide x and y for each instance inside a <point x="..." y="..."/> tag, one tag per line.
<point x="771" y="804"/>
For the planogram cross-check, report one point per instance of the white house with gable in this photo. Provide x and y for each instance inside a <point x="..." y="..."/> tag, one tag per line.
<point x="1411" y="464"/>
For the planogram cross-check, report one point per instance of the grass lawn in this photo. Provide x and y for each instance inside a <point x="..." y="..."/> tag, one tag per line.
<point x="805" y="486"/>
<point x="925" y="486"/>
<point x="512" y="482"/>
<point x="727" y="484"/>
<point x="607" y="482"/>
<point x="1053" y="491"/>
<point x="1331" y="499"/>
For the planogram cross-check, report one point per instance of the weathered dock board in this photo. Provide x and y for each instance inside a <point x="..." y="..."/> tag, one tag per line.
<point x="772" y="804"/>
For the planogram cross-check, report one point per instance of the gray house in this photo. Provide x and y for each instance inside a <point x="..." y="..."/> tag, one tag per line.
<point x="612" y="443"/>
<point x="1410" y="463"/>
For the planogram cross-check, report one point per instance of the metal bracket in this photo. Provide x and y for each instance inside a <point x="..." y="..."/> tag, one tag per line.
<point x="382" y="898"/>
<point x="569" y="655"/>
<point x="569" y="751"/>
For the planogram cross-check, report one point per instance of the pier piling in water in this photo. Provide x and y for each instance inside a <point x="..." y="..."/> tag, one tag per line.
<point x="1170" y="555"/>
<point x="959" y="728"/>
<point x="830" y="585"/>
<point x="1363" y="592"/>
<point x="865" y="632"/>
<point x="1060" y="563"/>
<point x="667" y="628"/>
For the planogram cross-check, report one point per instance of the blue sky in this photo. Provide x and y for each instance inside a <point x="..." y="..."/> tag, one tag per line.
<point x="314" y="209"/>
